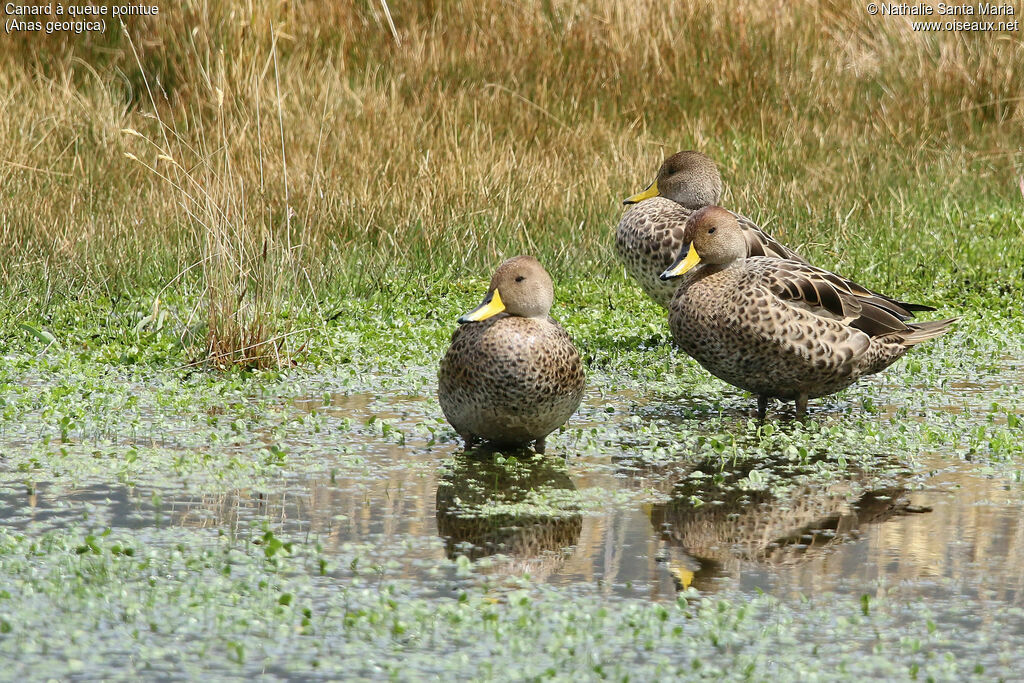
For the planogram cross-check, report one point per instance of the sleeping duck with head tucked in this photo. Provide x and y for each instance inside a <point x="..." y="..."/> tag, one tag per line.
<point x="779" y="328"/>
<point x="512" y="374"/>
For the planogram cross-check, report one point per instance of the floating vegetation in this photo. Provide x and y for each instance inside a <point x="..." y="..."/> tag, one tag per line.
<point x="281" y="522"/>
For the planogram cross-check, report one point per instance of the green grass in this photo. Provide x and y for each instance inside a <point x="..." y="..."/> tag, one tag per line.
<point x="257" y="604"/>
<point x="108" y="419"/>
<point x="280" y="184"/>
<point x="500" y="128"/>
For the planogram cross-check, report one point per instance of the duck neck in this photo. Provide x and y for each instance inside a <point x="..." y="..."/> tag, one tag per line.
<point x="703" y="270"/>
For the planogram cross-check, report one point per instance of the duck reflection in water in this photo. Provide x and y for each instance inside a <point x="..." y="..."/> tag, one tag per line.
<point x="716" y="524"/>
<point x="522" y="506"/>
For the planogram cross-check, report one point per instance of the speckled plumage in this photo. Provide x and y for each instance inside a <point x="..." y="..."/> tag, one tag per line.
<point x="780" y="328"/>
<point x="650" y="233"/>
<point x="511" y="379"/>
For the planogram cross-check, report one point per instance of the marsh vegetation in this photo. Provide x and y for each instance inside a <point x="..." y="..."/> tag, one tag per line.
<point x="233" y="246"/>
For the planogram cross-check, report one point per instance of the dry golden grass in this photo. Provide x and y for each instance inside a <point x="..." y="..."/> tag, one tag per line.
<point x="496" y="127"/>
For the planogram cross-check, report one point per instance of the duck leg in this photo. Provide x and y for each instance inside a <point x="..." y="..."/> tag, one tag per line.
<point x="469" y="439"/>
<point x="762" y="406"/>
<point x="801" y="406"/>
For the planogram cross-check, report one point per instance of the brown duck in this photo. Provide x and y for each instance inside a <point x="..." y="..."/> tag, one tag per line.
<point x="511" y="375"/>
<point x="650" y="234"/>
<point x="779" y="328"/>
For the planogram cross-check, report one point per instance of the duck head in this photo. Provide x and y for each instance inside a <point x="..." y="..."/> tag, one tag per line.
<point x="519" y="287"/>
<point x="688" y="178"/>
<point x="712" y="236"/>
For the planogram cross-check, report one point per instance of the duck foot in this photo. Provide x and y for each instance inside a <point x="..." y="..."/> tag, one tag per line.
<point x="762" y="406"/>
<point x="801" y="406"/>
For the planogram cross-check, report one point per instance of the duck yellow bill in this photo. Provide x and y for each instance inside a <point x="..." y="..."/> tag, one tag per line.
<point x="682" y="264"/>
<point x="684" y="577"/>
<point x="492" y="305"/>
<point x="651" y="191"/>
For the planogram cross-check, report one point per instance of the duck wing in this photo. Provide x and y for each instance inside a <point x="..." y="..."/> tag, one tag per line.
<point x="834" y="297"/>
<point x="760" y="243"/>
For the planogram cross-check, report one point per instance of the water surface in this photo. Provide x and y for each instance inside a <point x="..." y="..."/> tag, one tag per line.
<point x="934" y="526"/>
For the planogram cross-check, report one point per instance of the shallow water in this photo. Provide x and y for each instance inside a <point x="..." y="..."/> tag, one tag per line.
<point x="932" y="527"/>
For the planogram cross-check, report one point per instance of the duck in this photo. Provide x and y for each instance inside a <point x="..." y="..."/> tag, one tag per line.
<point x="650" y="233"/>
<point x="512" y="374"/>
<point x="779" y="328"/>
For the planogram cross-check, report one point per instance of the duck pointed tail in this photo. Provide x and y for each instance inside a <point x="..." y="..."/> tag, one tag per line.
<point x="917" y="308"/>
<point x="920" y="332"/>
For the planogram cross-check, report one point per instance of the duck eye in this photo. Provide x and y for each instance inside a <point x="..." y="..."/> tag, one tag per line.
<point x="520" y="278"/>
<point x="711" y="230"/>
